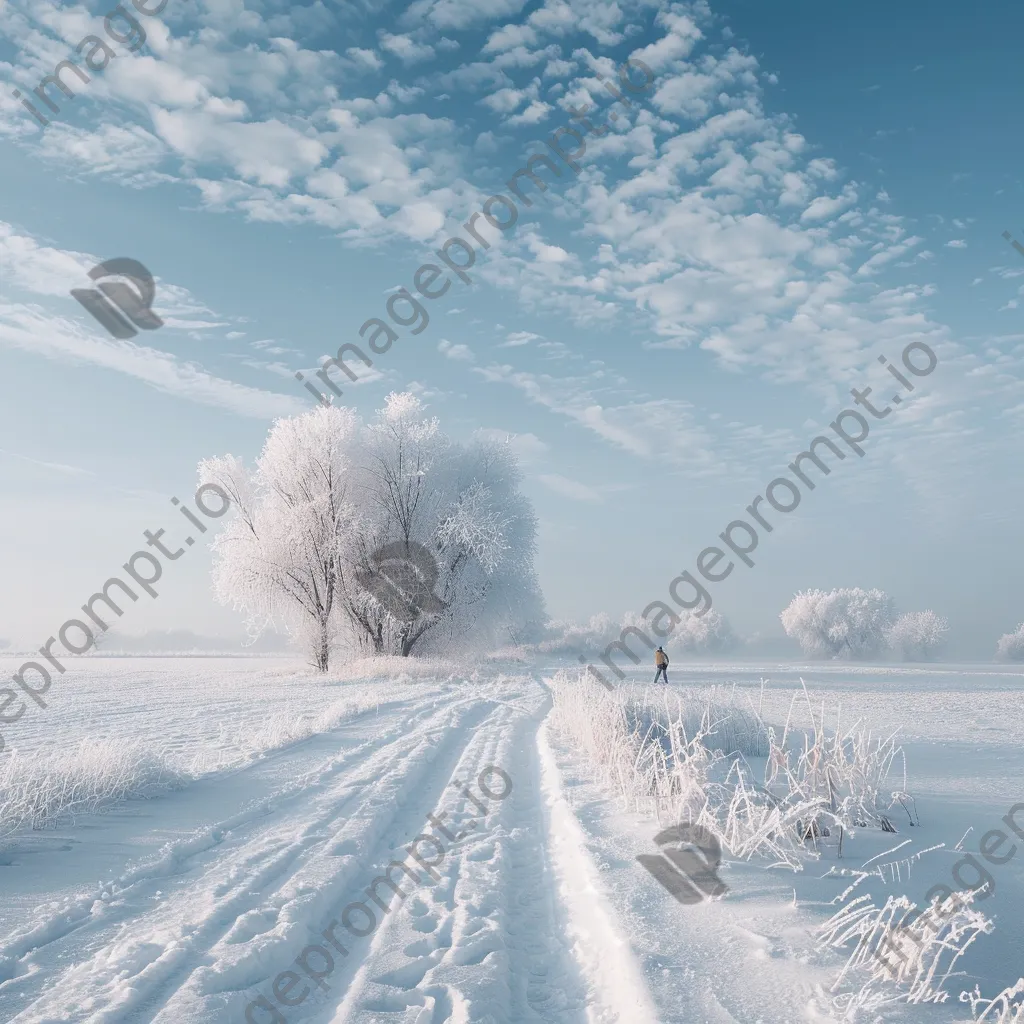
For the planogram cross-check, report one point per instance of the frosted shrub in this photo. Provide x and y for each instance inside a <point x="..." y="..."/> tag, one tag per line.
<point x="695" y="634"/>
<point x="566" y="637"/>
<point x="918" y="636"/>
<point x="847" y="774"/>
<point x="1011" y="645"/>
<point x="48" y="786"/>
<point x="284" y="728"/>
<point x="723" y="726"/>
<point x="681" y="758"/>
<point x="897" y="944"/>
<point x="1000" y="1010"/>
<point x="46" y="789"/>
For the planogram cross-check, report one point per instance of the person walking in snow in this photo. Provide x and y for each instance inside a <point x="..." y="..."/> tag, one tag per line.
<point x="661" y="660"/>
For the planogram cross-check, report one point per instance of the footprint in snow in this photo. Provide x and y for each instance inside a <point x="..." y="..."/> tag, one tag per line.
<point x="424" y="918"/>
<point x="251" y="924"/>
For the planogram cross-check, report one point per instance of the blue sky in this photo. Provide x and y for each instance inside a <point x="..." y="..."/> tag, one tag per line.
<point x="802" y="189"/>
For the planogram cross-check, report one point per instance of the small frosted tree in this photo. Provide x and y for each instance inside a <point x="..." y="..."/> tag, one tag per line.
<point x="709" y="633"/>
<point x="848" y="622"/>
<point x="918" y="636"/>
<point x="280" y="557"/>
<point x="705" y="634"/>
<point x="1011" y="645"/>
<point x="564" y="636"/>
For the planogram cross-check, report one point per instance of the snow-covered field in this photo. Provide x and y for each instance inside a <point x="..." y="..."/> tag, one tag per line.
<point x="275" y="800"/>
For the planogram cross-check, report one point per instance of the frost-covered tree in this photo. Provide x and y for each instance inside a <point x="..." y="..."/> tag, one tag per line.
<point x="563" y="636"/>
<point x="709" y="633"/>
<point x="386" y="537"/>
<point x="918" y="636"/>
<point x="847" y="622"/>
<point x="281" y="555"/>
<point x="1011" y="645"/>
<point x="704" y="634"/>
<point x="464" y="507"/>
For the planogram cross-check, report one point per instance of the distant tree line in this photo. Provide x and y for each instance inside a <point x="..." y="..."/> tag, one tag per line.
<point x="845" y="623"/>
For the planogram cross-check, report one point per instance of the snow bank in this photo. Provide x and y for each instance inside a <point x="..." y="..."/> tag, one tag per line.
<point x="186" y="720"/>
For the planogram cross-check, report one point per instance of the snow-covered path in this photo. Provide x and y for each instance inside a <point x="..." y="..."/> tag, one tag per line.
<point x="200" y="932"/>
<point x="264" y="894"/>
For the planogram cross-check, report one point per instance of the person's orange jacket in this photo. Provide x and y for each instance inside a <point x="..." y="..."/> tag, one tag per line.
<point x="660" y="658"/>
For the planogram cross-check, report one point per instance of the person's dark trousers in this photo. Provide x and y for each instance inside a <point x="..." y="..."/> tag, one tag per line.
<point x="662" y="671"/>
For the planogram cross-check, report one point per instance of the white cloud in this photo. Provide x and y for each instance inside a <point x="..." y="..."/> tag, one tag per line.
<point x="365" y="58"/>
<point x="551" y="254"/>
<point x="107" y="149"/>
<point x="556" y="18"/>
<point x="461" y="353"/>
<point x="57" y="338"/>
<point x="151" y="81"/>
<point x="268" y="152"/>
<point x="652" y="429"/>
<point x="572" y="489"/>
<point x="827" y="207"/>
<point x="461" y="14"/>
<point x="45" y="270"/>
<point x="518" y="338"/>
<point x="536" y="112"/>
<point x="675" y="45"/>
<point x="510" y="36"/>
<point x="956" y="243"/>
<point x="405" y="48"/>
<point x="56" y="467"/>
<point x="559" y="68"/>
<point x="529" y="448"/>
<point x="504" y="101"/>
<point x="419" y="220"/>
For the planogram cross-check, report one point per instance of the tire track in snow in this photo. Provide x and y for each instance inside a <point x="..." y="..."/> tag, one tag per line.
<point x="153" y="946"/>
<point x="269" y="939"/>
<point x="491" y="940"/>
<point x="99" y="908"/>
<point x="620" y="995"/>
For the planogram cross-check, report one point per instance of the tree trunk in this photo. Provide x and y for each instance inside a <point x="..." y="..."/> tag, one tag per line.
<point x="322" y="654"/>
